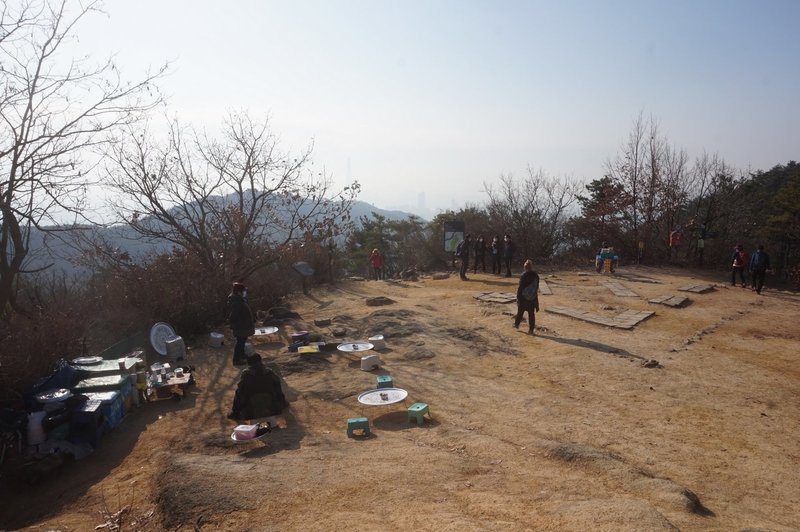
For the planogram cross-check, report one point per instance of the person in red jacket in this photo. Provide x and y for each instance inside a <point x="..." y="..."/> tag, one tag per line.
<point x="376" y="259"/>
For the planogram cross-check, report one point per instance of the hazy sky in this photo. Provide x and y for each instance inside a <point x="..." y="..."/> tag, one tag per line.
<point x="425" y="101"/>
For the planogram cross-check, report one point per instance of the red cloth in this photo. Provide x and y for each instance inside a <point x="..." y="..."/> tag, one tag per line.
<point x="377" y="260"/>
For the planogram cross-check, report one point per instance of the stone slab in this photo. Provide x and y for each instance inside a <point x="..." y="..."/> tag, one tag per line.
<point x="497" y="297"/>
<point x="619" y="289"/>
<point x="627" y="320"/>
<point x="544" y="289"/>
<point x="670" y="300"/>
<point x="697" y="288"/>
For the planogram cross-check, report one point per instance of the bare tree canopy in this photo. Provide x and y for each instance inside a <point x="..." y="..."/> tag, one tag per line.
<point x="235" y="203"/>
<point x="54" y="109"/>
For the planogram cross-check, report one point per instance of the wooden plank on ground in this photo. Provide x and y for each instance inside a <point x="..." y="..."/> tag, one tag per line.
<point x="697" y="288"/>
<point x="619" y="289"/>
<point x="670" y="300"/>
<point x="544" y="289"/>
<point x="497" y="297"/>
<point x="627" y="320"/>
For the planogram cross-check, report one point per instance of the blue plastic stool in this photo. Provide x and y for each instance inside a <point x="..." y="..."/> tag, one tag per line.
<point x="357" y="423"/>
<point x="385" y="381"/>
<point x="417" y="411"/>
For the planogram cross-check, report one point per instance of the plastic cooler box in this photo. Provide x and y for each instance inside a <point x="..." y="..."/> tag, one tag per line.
<point x="245" y="432"/>
<point x="112" y="405"/>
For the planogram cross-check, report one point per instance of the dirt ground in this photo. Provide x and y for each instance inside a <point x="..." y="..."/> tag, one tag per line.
<point x="564" y="430"/>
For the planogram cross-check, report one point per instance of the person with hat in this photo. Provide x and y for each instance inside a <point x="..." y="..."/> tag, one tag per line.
<point x="259" y="393"/>
<point x="240" y="320"/>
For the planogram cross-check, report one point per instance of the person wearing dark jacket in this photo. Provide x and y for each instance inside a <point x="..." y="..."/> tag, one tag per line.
<point x="240" y="320"/>
<point x="462" y="252"/>
<point x="497" y="255"/>
<point x="531" y="306"/>
<point x="759" y="264"/>
<point x="259" y="393"/>
<point x="480" y="255"/>
<point x="508" y="253"/>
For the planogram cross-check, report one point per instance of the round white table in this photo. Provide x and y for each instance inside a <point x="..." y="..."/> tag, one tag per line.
<point x="355" y="347"/>
<point x="382" y="396"/>
<point x="265" y="331"/>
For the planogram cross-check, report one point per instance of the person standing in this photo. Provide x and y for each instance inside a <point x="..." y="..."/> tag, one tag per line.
<point x="497" y="255"/>
<point x="738" y="264"/>
<point x="240" y="320"/>
<point x="376" y="260"/>
<point x="480" y="254"/>
<point x="527" y="297"/>
<point x="508" y="253"/>
<point x="759" y="265"/>
<point x="462" y="252"/>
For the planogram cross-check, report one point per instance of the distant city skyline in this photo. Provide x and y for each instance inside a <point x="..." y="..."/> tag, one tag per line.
<point x="424" y="102"/>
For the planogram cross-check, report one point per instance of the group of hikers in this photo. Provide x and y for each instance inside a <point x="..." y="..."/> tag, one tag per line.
<point x="501" y="253"/>
<point x="758" y="264"/>
<point x="259" y="393"/>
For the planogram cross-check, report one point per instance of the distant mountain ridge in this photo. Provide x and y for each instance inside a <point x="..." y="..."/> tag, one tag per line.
<point x="48" y="251"/>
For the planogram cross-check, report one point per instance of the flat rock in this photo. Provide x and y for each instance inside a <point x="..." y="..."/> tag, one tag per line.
<point x="497" y="297"/>
<point x="440" y="276"/>
<point x="627" y="320"/>
<point x="670" y="300"/>
<point x="379" y="301"/>
<point x="697" y="288"/>
<point x="619" y="289"/>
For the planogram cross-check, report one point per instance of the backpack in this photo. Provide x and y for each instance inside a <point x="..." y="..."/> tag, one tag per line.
<point x="529" y="293"/>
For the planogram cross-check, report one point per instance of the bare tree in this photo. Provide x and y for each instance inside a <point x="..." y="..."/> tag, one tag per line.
<point x="628" y="168"/>
<point x="53" y="111"/>
<point x="533" y="210"/>
<point x="235" y="203"/>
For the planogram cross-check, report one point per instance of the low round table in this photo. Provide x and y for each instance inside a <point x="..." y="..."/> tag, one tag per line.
<point x="265" y="331"/>
<point x="355" y="347"/>
<point x="382" y="396"/>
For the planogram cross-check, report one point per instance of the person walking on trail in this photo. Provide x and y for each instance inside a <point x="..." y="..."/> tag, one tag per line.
<point x="480" y="254"/>
<point x="497" y="255"/>
<point x="508" y="253"/>
<point x="528" y="297"/>
<point x="462" y="252"/>
<point x="376" y="260"/>
<point x="738" y="264"/>
<point x="241" y="321"/>
<point x="759" y="266"/>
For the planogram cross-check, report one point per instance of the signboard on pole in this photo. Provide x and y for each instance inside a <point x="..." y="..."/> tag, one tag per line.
<point x="453" y="234"/>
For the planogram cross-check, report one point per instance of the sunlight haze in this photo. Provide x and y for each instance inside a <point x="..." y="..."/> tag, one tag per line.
<point x="424" y="102"/>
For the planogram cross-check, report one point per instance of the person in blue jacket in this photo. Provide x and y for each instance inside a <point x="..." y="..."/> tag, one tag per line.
<point x="759" y="265"/>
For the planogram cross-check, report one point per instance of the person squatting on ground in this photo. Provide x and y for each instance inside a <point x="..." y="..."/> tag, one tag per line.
<point x="497" y="255"/>
<point x="527" y="300"/>
<point x="240" y="320"/>
<point x="376" y="260"/>
<point x="738" y="264"/>
<point x="259" y="393"/>
<point x="462" y="252"/>
<point x="759" y="265"/>
<point x="480" y="255"/>
<point x="508" y="253"/>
